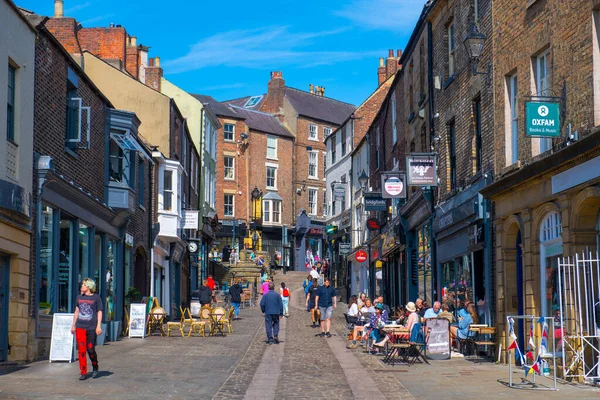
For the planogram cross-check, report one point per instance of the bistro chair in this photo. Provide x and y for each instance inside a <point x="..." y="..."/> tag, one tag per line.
<point x="196" y="325"/>
<point x="205" y="316"/>
<point x="219" y="314"/>
<point x="226" y="321"/>
<point x="180" y="325"/>
<point x="418" y="345"/>
<point x="481" y="341"/>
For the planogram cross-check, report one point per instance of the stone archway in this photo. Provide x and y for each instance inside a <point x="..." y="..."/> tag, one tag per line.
<point x="512" y="250"/>
<point x="585" y="208"/>
<point x="140" y="271"/>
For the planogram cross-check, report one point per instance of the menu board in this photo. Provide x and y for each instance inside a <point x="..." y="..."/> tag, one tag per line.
<point x="438" y="340"/>
<point x="137" y="320"/>
<point x="195" y="308"/>
<point x="61" y="344"/>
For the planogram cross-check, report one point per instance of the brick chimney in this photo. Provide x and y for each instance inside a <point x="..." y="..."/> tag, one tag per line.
<point x="391" y="65"/>
<point x="154" y="74"/>
<point x="59" y="8"/>
<point x="381" y="72"/>
<point x="276" y="92"/>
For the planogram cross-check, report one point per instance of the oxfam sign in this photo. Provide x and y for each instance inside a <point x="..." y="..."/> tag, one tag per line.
<point x="542" y="119"/>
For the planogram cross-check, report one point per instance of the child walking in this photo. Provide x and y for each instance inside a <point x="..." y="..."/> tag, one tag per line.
<point x="86" y="326"/>
<point x="285" y="297"/>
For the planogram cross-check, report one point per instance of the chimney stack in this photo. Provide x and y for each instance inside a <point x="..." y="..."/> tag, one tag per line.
<point x="132" y="41"/>
<point x="157" y="61"/>
<point x="59" y="8"/>
<point x="311" y="88"/>
<point x="381" y="72"/>
<point x="391" y="65"/>
<point x="399" y="54"/>
<point x="273" y="103"/>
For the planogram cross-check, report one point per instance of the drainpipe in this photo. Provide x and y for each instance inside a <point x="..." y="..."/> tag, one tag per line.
<point x="431" y="140"/>
<point x="151" y="239"/>
<point x="487" y="252"/>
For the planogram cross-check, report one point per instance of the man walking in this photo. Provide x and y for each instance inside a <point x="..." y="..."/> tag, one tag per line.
<point x="272" y="306"/>
<point x="326" y="301"/>
<point x="235" y="292"/>
<point x="87" y="326"/>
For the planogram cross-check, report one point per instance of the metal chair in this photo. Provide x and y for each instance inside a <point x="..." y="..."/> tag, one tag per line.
<point x="180" y="325"/>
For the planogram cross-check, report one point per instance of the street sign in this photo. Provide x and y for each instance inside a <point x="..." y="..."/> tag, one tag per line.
<point x="361" y="256"/>
<point x="542" y="119"/>
<point x="374" y="202"/>
<point x="345" y="248"/>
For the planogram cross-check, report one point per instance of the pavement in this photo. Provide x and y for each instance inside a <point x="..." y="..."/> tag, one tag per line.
<point x="242" y="365"/>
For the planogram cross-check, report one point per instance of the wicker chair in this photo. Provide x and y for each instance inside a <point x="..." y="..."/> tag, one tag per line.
<point x="226" y="321"/>
<point x="196" y="325"/>
<point x="180" y="325"/>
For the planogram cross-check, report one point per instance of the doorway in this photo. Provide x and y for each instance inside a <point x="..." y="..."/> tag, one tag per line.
<point x="4" y="277"/>
<point x="520" y="302"/>
<point x="139" y="274"/>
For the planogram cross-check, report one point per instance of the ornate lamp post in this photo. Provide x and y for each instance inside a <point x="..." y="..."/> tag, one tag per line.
<point x="256" y="195"/>
<point x="474" y="44"/>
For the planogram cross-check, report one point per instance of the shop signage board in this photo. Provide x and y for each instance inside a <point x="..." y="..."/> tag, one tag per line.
<point x="421" y="170"/>
<point x="345" y="248"/>
<point x="137" y="320"/>
<point x="373" y="224"/>
<point x="438" y="343"/>
<point x="61" y="344"/>
<point x="191" y="220"/>
<point x="339" y="192"/>
<point x="542" y="119"/>
<point x="361" y="256"/>
<point x="375" y="202"/>
<point x="393" y="185"/>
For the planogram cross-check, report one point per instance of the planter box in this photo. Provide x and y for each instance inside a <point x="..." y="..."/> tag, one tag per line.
<point x="114" y="330"/>
<point x="101" y="337"/>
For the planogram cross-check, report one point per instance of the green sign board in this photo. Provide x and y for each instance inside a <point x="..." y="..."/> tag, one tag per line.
<point x="542" y="119"/>
<point x="331" y="229"/>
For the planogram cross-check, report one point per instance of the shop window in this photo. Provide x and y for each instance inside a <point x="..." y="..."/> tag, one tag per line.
<point x="127" y="268"/>
<point x="47" y="283"/>
<point x="111" y="262"/>
<point x="551" y="247"/>
<point x="99" y="254"/>
<point x="66" y="291"/>
<point x="84" y="252"/>
<point x="457" y="281"/>
<point x="424" y="263"/>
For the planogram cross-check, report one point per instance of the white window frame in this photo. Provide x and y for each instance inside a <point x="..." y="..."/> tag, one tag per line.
<point x="316" y="157"/>
<point x="173" y="192"/>
<point x="313" y="132"/>
<point x="231" y="168"/>
<point x="271" y="148"/>
<point x="126" y="160"/>
<point x="394" y="132"/>
<point x="252" y="101"/>
<point x="273" y="167"/>
<point x="326" y="132"/>
<point x="513" y="129"/>
<point x="542" y="86"/>
<point x="232" y="205"/>
<point x="269" y="207"/>
<point x="226" y="132"/>
<point x="312" y="210"/>
<point x="451" y="50"/>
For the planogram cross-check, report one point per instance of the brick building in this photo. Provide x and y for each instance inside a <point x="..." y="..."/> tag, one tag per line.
<point x="311" y="117"/>
<point x="545" y="192"/>
<point x="91" y="213"/>
<point x="338" y="172"/>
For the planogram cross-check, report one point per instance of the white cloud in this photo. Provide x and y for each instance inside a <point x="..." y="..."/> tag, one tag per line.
<point x="261" y="48"/>
<point x="392" y="15"/>
<point x="224" y="86"/>
<point x="97" y="19"/>
<point x="77" y="7"/>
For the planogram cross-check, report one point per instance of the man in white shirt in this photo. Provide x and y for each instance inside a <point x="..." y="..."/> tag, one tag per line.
<point x="313" y="272"/>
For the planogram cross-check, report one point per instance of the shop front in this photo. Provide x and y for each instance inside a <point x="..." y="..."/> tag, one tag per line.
<point x="460" y="246"/>
<point x="556" y="214"/>
<point x="394" y="272"/>
<point x="308" y="242"/>
<point x="359" y="274"/>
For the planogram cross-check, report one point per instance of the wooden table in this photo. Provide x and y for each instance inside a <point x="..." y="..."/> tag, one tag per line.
<point x="398" y="349"/>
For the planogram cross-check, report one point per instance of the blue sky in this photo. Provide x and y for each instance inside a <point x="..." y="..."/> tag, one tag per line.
<point x="227" y="49"/>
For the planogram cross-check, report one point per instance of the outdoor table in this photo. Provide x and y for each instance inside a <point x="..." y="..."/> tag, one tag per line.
<point x="399" y="346"/>
<point x="216" y="323"/>
<point x="155" y="322"/>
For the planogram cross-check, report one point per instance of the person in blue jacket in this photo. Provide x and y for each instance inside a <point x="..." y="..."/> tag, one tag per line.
<point x="272" y="306"/>
<point x="466" y="317"/>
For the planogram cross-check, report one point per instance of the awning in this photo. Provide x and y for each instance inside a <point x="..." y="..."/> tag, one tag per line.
<point x="128" y="142"/>
<point x="272" y="196"/>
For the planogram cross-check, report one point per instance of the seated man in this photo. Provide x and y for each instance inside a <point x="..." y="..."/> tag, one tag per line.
<point x="434" y="311"/>
<point x="386" y="308"/>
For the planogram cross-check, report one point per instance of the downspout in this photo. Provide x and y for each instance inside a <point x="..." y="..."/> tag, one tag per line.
<point x="151" y="240"/>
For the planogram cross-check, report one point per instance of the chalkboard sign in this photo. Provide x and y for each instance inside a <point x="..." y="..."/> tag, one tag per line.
<point x="438" y="340"/>
<point x="61" y="344"/>
<point x="137" y="320"/>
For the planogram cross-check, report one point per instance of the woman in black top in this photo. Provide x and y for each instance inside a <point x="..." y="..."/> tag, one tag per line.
<point x="87" y="326"/>
<point x="310" y="301"/>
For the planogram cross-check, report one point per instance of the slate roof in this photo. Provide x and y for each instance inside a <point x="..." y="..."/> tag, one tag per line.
<point x="262" y="122"/>
<point x="220" y="109"/>
<point x="317" y="107"/>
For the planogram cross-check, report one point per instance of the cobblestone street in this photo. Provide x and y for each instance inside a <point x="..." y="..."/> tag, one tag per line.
<point x="241" y="365"/>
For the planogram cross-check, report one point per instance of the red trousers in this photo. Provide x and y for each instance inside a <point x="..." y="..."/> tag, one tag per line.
<point x="86" y="343"/>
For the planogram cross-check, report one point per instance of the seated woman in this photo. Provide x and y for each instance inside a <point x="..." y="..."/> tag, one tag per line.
<point x="360" y="301"/>
<point x="376" y="324"/>
<point x="446" y="314"/>
<point x="412" y="319"/>
<point x="365" y="311"/>
<point x="352" y="310"/>
<point x="466" y="317"/>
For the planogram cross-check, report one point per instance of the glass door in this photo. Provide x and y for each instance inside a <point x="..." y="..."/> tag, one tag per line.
<point x="67" y="278"/>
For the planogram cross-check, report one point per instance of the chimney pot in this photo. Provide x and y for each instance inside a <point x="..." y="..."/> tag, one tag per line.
<point x="322" y="91"/>
<point x="311" y="88"/>
<point x="112" y="25"/>
<point x="157" y="61"/>
<point x="391" y="53"/>
<point x="59" y="8"/>
<point x="133" y="41"/>
<point x="381" y="62"/>
<point x="151" y="62"/>
<point x="399" y="53"/>
<point x="276" y="75"/>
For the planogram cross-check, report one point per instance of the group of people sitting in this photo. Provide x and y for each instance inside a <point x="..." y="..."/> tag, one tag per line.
<point x="370" y="317"/>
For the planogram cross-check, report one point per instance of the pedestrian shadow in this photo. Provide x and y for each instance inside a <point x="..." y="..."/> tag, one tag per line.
<point x="9" y="369"/>
<point x="103" y="374"/>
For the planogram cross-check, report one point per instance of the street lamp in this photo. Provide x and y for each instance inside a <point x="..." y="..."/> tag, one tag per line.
<point x="256" y="195"/>
<point x="363" y="179"/>
<point x="474" y="44"/>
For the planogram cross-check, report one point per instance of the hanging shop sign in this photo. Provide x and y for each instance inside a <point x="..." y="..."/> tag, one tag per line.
<point x="375" y="202"/>
<point x="190" y="220"/>
<point x="345" y="248"/>
<point x="421" y="170"/>
<point x="393" y="185"/>
<point x="542" y="119"/>
<point x="373" y="224"/>
<point x="361" y="256"/>
<point x="339" y="192"/>
<point x="315" y="231"/>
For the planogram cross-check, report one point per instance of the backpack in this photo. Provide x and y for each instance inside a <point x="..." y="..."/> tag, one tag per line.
<point x="286" y="292"/>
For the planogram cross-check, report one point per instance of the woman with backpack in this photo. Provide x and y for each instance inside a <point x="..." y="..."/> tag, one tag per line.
<point x="285" y="297"/>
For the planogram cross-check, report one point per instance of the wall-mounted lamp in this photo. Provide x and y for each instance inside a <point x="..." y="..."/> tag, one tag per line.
<point x="474" y="44"/>
<point x="363" y="179"/>
<point x="301" y="188"/>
